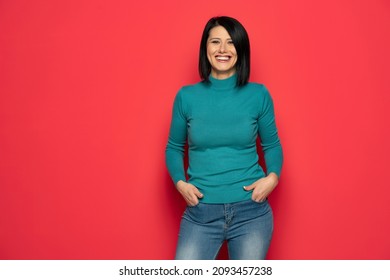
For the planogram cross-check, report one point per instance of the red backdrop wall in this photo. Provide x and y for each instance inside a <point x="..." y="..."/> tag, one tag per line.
<point x="86" y="91"/>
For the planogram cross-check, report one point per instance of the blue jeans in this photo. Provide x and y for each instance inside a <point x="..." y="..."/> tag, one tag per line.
<point x="247" y="227"/>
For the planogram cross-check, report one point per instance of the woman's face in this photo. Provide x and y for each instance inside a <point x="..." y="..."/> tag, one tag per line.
<point x="221" y="53"/>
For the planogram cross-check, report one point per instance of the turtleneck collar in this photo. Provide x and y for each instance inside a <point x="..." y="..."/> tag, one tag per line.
<point x="223" y="84"/>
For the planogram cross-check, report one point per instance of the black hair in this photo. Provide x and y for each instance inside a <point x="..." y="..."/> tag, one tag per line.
<point x="240" y="40"/>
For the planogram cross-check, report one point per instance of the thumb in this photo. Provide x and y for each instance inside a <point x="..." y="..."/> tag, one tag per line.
<point x="249" y="188"/>
<point x="198" y="193"/>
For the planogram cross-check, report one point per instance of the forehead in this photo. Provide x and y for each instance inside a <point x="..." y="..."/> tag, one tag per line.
<point x="218" y="32"/>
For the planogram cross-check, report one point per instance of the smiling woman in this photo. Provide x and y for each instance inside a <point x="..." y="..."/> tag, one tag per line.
<point x="226" y="38"/>
<point x="221" y="118"/>
<point x="221" y="53"/>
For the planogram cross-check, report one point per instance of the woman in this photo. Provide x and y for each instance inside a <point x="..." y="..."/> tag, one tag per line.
<point x="221" y="118"/>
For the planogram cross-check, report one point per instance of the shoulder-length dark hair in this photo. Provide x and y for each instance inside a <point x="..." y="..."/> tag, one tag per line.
<point x="240" y="40"/>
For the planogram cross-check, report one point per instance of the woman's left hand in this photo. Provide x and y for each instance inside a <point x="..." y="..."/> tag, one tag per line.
<point x="263" y="187"/>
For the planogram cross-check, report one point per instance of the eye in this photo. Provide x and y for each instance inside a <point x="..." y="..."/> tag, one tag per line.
<point x="214" y="41"/>
<point x="230" y="42"/>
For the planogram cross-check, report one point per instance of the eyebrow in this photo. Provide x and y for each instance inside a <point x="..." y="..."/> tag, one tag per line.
<point x="219" y="38"/>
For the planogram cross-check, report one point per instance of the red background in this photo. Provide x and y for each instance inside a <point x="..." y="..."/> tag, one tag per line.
<point x="86" y="91"/>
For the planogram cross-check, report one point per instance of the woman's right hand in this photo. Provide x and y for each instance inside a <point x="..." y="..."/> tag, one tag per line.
<point x="190" y="193"/>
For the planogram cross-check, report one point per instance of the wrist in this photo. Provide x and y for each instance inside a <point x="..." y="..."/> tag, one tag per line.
<point x="274" y="178"/>
<point x="180" y="183"/>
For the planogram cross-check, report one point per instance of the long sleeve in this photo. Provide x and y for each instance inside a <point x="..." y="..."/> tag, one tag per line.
<point x="270" y="142"/>
<point x="174" y="152"/>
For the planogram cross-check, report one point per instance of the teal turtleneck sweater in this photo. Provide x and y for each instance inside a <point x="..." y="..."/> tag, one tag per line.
<point x="221" y="122"/>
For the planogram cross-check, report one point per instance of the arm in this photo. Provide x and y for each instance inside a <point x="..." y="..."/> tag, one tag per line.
<point x="270" y="143"/>
<point x="174" y="153"/>
<point x="273" y="154"/>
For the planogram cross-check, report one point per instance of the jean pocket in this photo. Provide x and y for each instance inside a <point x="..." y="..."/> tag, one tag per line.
<point x="260" y="202"/>
<point x="194" y="206"/>
<point x="199" y="214"/>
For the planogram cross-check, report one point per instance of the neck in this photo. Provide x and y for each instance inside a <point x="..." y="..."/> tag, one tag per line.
<point x="223" y="84"/>
<point x="222" y="75"/>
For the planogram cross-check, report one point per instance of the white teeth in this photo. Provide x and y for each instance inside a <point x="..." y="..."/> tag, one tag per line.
<point x="223" y="57"/>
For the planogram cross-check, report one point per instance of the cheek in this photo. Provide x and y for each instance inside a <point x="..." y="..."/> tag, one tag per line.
<point x="210" y="50"/>
<point x="235" y="58"/>
<point x="210" y="56"/>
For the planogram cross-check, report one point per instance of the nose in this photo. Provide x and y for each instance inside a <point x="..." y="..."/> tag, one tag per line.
<point x="222" y="48"/>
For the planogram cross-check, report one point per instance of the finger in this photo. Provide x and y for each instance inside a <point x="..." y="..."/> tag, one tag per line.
<point x="257" y="197"/>
<point x="262" y="199"/>
<point x="193" y="196"/>
<point x="188" y="200"/>
<point x="249" y="188"/>
<point x="198" y="193"/>
<point x="194" y="201"/>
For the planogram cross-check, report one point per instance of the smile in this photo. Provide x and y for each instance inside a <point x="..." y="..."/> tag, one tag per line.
<point x="222" y="58"/>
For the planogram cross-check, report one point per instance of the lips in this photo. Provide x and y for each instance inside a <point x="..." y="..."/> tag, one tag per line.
<point x="222" y="58"/>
